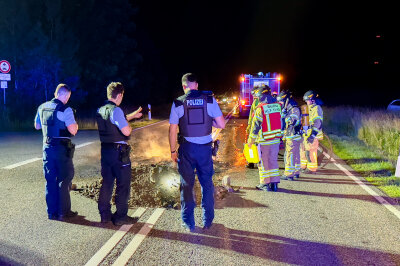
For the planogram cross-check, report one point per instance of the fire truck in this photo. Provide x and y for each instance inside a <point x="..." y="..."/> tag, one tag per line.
<point x="247" y="83"/>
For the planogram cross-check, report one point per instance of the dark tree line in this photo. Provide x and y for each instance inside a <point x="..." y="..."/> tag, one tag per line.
<point x="85" y="44"/>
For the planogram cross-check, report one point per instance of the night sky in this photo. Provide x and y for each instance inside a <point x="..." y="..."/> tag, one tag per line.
<point x="331" y="47"/>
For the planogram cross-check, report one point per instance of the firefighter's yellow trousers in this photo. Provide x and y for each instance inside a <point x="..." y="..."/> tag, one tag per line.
<point x="309" y="155"/>
<point x="292" y="157"/>
<point x="268" y="167"/>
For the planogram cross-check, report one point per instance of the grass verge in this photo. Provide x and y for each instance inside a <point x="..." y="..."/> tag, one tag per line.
<point x="370" y="163"/>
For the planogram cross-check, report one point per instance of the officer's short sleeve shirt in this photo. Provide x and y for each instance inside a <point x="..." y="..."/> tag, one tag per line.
<point x="118" y="118"/>
<point x="67" y="116"/>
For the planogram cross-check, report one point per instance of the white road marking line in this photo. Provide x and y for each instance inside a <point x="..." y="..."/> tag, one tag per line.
<point x="138" y="238"/>
<point x="218" y="130"/>
<point x="114" y="240"/>
<point x="83" y="145"/>
<point x="381" y="200"/>
<point x="12" y="166"/>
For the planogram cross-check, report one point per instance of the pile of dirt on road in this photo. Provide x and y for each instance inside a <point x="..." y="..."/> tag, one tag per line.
<point x="154" y="185"/>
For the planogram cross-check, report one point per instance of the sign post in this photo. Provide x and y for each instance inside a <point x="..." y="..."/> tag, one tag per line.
<point x="149" y="107"/>
<point x="3" y="85"/>
<point x="5" y="67"/>
<point x="397" y="173"/>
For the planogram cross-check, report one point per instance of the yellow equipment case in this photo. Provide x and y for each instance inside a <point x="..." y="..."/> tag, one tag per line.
<point x="251" y="155"/>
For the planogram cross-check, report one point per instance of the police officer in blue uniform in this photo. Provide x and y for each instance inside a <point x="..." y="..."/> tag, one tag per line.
<point x="114" y="132"/>
<point x="58" y="125"/>
<point x="195" y="113"/>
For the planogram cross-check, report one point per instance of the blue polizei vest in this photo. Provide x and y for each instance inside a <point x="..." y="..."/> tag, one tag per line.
<point x="195" y="121"/>
<point x="52" y="127"/>
<point x="108" y="132"/>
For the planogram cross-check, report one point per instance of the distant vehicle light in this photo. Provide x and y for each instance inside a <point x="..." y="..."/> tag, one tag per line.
<point x="234" y="97"/>
<point x="224" y="99"/>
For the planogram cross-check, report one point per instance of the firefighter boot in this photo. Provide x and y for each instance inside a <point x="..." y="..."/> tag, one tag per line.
<point x="265" y="187"/>
<point x="274" y="186"/>
<point x="290" y="178"/>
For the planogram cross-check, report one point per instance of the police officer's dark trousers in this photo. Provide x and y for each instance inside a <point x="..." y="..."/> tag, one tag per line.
<point x="196" y="156"/>
<point x="58" y="170"/>
<point x="112" y="168"/>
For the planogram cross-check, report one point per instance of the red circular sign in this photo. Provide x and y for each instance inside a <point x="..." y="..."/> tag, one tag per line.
<point x="5" y="66"/>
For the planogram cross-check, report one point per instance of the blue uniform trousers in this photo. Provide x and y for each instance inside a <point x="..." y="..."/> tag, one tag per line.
<point x="196" y="156"/>
<point x="113" y="169"/>
<point x="58" y="170"/>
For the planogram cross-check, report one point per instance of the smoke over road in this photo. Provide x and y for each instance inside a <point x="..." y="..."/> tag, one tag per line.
<point x="150" y="145"/>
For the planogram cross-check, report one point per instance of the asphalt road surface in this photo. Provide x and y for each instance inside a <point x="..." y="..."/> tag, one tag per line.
<point x="332" y="218"/>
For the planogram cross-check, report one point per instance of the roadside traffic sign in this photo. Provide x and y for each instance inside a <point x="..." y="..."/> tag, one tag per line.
<point x="5" y="66"/>
<point x="6" y="77"/>
<point x="3" y="84"/>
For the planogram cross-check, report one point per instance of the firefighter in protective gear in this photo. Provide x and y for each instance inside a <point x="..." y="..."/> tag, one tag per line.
<point x="194" y="113"/>
<point x="291" y="117"/>
<point x="255" y="92"/>
<point x="266" y="131"/>
<point x="311" y="138"/>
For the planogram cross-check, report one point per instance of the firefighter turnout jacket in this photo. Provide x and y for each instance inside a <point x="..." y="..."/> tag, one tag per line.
<point x="292" y="121"/>
<point x="253" y="107"/>
<point x="316" y="119"/>
<point x="266" y="127"/>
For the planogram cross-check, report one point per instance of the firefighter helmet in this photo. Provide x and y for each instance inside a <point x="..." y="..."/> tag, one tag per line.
<point x="283" y="96"/>
<point x="253" y="90"/>
<point x="261" y="90"/>
<point x="310" y="95"/>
